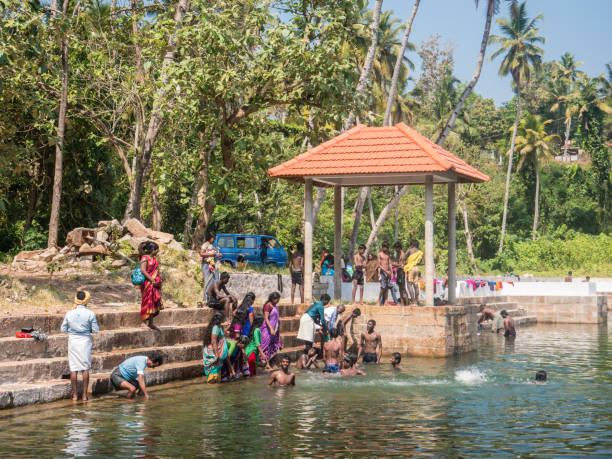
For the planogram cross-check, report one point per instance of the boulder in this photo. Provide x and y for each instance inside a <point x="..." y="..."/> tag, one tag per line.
<point x="84" y="248"/>
<point x="104" y="223"/>
<point x="102" y="236"/>
<point x="28" y="255"/>
<point x="78" y="236"/>
<point x="136" y="241"/>
<point x="135" y="228"/>
<point x="87" y="249"/>
<point x="58" y="258"/>
<point x="119" y="263"/>
<point x="163" y="238"/>
<point x="175" y="245"/>
<point x="48" y="254"/>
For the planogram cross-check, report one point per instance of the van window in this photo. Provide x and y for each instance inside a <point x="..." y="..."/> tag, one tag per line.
<point x="225" y="242"/>
<point x="273" y="244"/>
<point x="246" y="242"/>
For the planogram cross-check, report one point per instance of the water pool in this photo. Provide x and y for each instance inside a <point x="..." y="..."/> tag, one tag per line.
<point x="477" y="405"/>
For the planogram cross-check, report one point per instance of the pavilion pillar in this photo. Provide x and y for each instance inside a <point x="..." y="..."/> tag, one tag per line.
<point x="452" y="245"/>
<point x="308" y="224"/>
<point x="429" y="242"/>
<point x="338" y="242"/>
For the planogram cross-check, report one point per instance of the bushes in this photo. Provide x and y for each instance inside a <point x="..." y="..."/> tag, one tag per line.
<point x="563" y="251"/>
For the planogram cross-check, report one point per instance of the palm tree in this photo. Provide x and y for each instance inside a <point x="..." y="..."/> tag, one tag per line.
<point x="563" y="85"/>
<point x="521" y="54"/>
<point x="534" y="146"/>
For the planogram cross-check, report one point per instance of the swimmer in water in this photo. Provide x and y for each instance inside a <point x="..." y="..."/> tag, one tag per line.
<point x="282" y="377"/>
<point x="371" y="344"/>
<point x="333" y="351"/>
<point x="306" y="360"/>
<point x="509" y="332"/>
<point x="396" y="358"/>
<point x="540" y="377"/>
<point x="347" y="366"/>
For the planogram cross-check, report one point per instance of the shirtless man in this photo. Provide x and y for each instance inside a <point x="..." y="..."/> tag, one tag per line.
<point x="343" y="321"/>
<point x="486" y="314"/>
<point x="396" y="358"/>
<point x="398" y="259"/>
<point x="297" y="272"/>
<point x="370" y="345"/>
<point x="359" y="266"/>
<point x="306" y="360"/>
<point x="509" y="332"/>
<point x="217" y="300"/>
<point x="384" y="271"/>
<point x="348" y="366"/>
<point x="282" y="377"/>
<point x="333" y="351"/>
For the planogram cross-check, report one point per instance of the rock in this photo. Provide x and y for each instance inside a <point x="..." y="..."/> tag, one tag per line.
<point x="127" y="237"/>
<point x="136" y="241"/>
<point x="78" y="236"/>
<point x="65" y="249"/>
<point x="29" y="265"/>
<point x="175" y="245"/>
<point x="85" y="248"/>
<point x="135" y="228"/>
<point x="119" y="263"/>
<point x="48" y="254"/>
<point x="163" y="238"/>
<point x="58" y="258"/>
<point x="104" y="223"/>
<point x="102" y="236"/>
<point x="87" y="264"/>
<point x="28" y="255"/>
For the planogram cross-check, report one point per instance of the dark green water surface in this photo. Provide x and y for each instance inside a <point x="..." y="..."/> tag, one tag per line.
<point x="477" y="405"/>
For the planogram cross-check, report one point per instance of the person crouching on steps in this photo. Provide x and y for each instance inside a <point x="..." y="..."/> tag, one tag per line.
<point x="80" y="323"/>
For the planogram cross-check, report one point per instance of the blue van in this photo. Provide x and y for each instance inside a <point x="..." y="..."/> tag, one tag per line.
<point x="253" y="249"/>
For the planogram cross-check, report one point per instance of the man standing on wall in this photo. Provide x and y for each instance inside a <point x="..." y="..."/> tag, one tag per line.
<point x="297" y="272"/>
<point x="359" y="265"/>
<point x="384" y="271"/>
<point x="209" y="253"/>
<point x="411" y="268"/>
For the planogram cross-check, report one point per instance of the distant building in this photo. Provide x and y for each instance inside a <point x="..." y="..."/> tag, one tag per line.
<point x="570" y="154"/>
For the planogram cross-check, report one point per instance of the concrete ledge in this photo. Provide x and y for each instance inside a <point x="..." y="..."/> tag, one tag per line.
<point x="566" y="309"/>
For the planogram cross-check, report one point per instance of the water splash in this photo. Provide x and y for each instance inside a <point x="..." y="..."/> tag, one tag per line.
<point x="471" y="376"/>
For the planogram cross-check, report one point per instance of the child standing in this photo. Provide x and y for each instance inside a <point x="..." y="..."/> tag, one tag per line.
<point x="253" y="349"/>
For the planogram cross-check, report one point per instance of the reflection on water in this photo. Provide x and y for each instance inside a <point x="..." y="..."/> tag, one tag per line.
<point x="478" y="405"/>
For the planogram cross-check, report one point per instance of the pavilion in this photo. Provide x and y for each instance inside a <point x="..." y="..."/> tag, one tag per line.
<point x="374" y="156"/>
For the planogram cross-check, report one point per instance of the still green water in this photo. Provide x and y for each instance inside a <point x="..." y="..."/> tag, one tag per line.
<point x="478" y="405"/>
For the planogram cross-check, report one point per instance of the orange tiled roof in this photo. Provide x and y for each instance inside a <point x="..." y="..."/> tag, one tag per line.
<point x="377" y="151"/>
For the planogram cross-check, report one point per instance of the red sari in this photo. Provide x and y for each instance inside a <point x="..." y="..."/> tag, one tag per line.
<point x="151" y="297"/>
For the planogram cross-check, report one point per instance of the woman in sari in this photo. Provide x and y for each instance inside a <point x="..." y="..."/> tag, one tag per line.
<point x="150" y="290"/>
<point x="270" y="331"/>
<point x="247" y="307"/>
<point x="215" y="350"/>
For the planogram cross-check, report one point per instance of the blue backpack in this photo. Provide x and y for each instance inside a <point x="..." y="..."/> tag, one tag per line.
<point x="137" y="275"/>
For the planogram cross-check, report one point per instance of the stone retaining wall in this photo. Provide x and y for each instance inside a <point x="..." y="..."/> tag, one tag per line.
<point x="565" y="309"/>
<point x="264" y="284"/>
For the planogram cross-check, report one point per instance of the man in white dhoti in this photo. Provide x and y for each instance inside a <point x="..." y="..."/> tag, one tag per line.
<point x="315" y="315"/>
<point x="80" y="323"/>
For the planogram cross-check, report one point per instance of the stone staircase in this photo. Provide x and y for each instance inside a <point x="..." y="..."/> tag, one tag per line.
<point x="31" y="372"/>
<point x="497" y="303"/>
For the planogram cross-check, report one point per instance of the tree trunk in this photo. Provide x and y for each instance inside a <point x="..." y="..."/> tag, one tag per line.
<point x="508" y="174"/>
<point x="132" y="209"/>
<point x="359" y="202"/>
<point x="468" y="235"/>
<point x="383" y="215"/>
<point x="318" y="202"/>
<point x="59" y="145"/>
<point x="468" y="89"/>
<point x="202" y="201"/>
<point x="369" y="60"/>
<point x="568" y="127"/>
<point x="157" y="215"/>
<point x="398" y="65"/>
<point x="536" y="211"/>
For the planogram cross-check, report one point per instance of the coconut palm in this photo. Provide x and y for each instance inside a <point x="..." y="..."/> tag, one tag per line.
<point x="535" y="145"/>
<point x="591" y="97"/>
<point x="521" y="54"/>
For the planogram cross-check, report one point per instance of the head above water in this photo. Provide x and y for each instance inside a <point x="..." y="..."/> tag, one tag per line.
<point x="284" y="363"/>
<point x="540" y="376"/>
<point x="312" y="352"/>
<point x="333" y="333"/>
<point x="325" y="298"/>
<point x="396" y="358"/>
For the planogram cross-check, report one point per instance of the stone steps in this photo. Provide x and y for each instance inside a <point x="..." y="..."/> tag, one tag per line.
<point x="33" y="370"/>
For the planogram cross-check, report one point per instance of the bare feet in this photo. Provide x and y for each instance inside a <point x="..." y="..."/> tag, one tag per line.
<point x="153" y="327"/>
<point x="85" y="399"/>
<point x="75" y="398"/>
<point x="144" y="325"/>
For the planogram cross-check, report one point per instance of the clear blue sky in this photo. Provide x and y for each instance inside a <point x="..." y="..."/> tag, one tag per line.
<point x="582" y="27"/>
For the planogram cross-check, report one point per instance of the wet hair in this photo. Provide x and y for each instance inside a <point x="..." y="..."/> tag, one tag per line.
<point x="224" y="276"/>
<point x="80" y="295"/>
<point x="397" y="356"/>
<point x="540" y="376"/>
<point x="156" y="357"/>
<point x="385" y="244"/>
<point x="285" y="357"/>
<point x="361" y="247"/>
<point x="243" y="339"/>
<point x="373" y="322"/>
<point x="333" y="333"/>
<point x="239" y="317"/>
<point x="313" y="350"/>
<point x="504" y="313"/>
<point x="257" y="322"/>
<point x="350" y="359"/>
<point x="300" y="247"/>
<point x="414" y="243"/>
<point x="216" y="319"/>
<point x="356" y="312"/>
<point x="273" y="296"/>
<point x="325" y="298"/>
<point x="569" y="273"/>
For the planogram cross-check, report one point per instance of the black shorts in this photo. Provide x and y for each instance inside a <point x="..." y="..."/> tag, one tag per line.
<point x="358" y="276"/>
<point x="370" y="357"/>
<point x="116" y="379"/>
<point x="401" y="278"/>
<point x="297" y="277"/>
<point x="214" y="303"/>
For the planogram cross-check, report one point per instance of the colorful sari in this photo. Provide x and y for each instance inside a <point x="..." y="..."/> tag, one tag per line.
<point x="151" y="302"/>
<point x="212" y="365"/>
<point x="271" y="344"/>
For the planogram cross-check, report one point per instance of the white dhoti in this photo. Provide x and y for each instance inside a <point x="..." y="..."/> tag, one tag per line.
<point x="307" y="329"/>
<point x="79" y="352"/>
